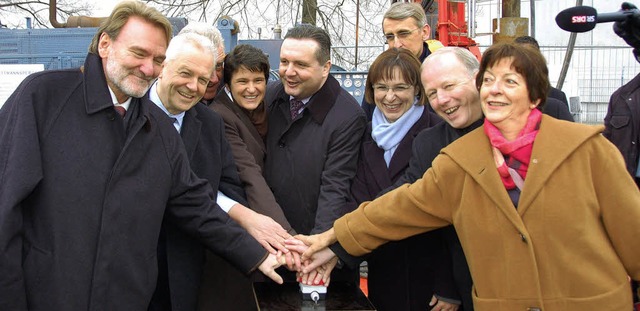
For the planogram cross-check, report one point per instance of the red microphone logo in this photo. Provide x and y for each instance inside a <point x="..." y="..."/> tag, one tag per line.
<point x="583" y="19"/>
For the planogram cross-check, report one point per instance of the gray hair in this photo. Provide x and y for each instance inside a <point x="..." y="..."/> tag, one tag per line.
<point x="189" y="41"/>
<point x="465" y="57"/>
<point x="206" y="30"/>
<point x="404" y="10"/>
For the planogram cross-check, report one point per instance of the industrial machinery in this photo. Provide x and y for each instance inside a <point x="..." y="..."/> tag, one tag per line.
<point x="66" y="46"/>
<point x="61" y="48"/>
<point x="452" y="22"/>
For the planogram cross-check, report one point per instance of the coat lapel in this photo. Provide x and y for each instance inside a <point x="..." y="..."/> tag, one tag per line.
<point x="375" y="163"/>
<point x="190" y="131"/>
<point x="549" y="151"/>
<point x="244" y="118"/>
<point x="402" y="155"/>
<point x="473" y="153"/>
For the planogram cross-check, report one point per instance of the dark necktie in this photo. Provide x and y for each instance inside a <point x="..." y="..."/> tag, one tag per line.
<point x="121" y="111"/>
<point x="175" y="123"/>
<point x="294" y="108"/>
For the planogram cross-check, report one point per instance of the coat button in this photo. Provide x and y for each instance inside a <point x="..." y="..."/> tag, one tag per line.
<point x="523" y="237"/>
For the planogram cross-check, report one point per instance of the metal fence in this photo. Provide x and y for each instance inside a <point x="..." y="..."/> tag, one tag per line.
<point x="595" y="72"/>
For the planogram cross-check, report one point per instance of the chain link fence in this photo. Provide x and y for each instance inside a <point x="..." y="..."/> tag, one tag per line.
<point x="595" y="72"/>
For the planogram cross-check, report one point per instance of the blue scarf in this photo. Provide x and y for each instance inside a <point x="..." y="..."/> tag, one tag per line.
<point x="388" y="135"/>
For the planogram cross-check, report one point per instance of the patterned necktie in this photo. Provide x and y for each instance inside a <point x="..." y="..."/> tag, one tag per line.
<point x="121" y="111"/>
<point x="295" y="106"/>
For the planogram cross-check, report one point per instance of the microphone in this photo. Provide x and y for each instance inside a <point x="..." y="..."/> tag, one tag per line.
<point x="585" y="18"/>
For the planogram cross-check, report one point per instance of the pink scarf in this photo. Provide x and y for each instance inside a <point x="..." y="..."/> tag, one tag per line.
<point x="516" y="154"/>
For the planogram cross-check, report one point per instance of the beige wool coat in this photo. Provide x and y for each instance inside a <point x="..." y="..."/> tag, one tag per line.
<point x="570" y="244"/>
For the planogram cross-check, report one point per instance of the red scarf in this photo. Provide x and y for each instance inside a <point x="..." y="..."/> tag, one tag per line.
<point x="514" y="154"/>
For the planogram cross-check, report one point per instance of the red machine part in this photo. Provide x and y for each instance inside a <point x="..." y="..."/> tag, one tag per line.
<point x="452" y="25"/>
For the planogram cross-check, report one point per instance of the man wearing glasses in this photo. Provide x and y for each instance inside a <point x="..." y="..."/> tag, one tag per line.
<point x="405" y="26"/>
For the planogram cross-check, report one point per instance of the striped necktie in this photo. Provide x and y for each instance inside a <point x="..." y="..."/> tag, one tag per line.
<point x="121" y="111"/>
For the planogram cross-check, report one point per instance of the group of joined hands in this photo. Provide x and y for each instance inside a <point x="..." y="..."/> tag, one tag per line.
<point x="309" y="256"/>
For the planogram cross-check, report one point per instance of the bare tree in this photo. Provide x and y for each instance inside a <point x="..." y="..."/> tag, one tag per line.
<point x="12" y="11"/>
<point x="256" y="16"/>
<point x="309" y="11"/>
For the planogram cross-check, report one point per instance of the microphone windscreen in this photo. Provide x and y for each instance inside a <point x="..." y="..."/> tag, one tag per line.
<point x="577" y="19"/>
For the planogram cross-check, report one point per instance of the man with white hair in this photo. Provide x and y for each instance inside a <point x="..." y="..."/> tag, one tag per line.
<point x="219" y="280"/>
<point x="215" y="36"/>
<point x="186" y="71"/>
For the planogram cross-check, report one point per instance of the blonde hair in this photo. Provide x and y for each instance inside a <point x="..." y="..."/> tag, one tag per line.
<point x="121" y="14"/>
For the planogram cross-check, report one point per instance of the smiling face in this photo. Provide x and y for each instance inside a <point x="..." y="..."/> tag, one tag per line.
<point x="248" y="88"/>
<point x="184" y="79"/>
<point x="301" y="73"/>
<point x="133" y="60"/>
<point x="505" y="98"/>
<point x="394" y="96"/>
<point x="451" y="91"/>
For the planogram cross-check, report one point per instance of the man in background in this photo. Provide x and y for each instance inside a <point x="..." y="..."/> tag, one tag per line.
<point x="404" y="25"/>
<point x="622" y="122"/>
<point x="553" y="92"/>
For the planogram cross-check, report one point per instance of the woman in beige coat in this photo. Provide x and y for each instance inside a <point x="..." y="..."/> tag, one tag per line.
<point x="545" y="211"/>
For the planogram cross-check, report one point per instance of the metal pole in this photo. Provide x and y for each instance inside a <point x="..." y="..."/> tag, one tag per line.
<point x="471" y="17"/>
<point x="532" y="8"/>
<point x="357" y="31"/>
<point x="567" y="57"/>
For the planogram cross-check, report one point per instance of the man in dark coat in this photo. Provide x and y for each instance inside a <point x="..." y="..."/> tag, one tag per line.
<point x="202" y="131"/>
<point x="622" y="122"/>
<point x="315" y="128"/>
<point x="84" y="190"/>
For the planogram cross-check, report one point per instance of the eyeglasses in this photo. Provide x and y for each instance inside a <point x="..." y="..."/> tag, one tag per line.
<point x="219" y="66"/>
<point x="383" y="89"/>
<point x="220" y="63"/>
<point x="402" y="34"/>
